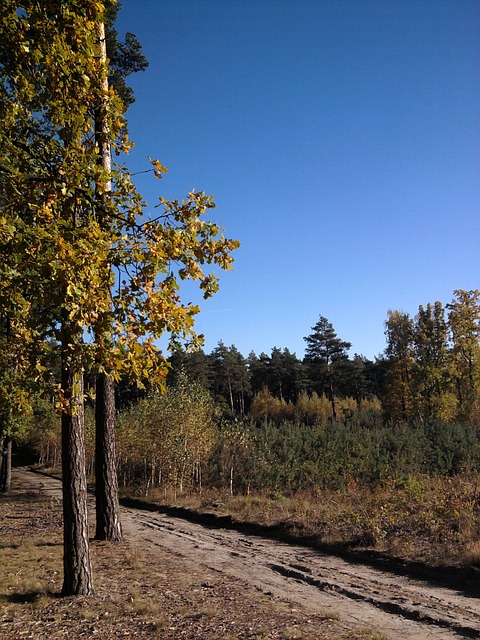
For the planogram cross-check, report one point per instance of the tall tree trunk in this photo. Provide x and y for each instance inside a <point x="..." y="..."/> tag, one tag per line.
<point x="331" y="393"/>
<point x="6" y="462"/>
<point x="230" y="393"/>
<point x="2" y="466"/>
<point x="106" y="482"/>
<point x="77" y="578"/>
<point x="6" y="473"/>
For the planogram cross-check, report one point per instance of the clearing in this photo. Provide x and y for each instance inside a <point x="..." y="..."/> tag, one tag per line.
<point x="209" y="581"/>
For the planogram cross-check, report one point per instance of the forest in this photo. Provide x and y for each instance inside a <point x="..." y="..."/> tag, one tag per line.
<point x="91" y="280"/>
<point x="384" y="453"/>
<point x="280" y="423"/>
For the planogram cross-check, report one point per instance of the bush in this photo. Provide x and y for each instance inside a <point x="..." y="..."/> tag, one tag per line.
<point x="165" y="439"/>
<point x="291" y="455"/>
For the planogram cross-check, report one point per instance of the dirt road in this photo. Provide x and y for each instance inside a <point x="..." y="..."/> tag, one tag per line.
<point x="398" y="606"/>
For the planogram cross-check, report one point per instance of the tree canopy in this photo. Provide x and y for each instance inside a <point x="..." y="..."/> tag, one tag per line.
<point x="83" y="264"/>
<point x="57" y="251"/>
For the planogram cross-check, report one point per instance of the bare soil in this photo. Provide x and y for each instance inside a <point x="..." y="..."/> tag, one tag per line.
<point x="176" y="578"/>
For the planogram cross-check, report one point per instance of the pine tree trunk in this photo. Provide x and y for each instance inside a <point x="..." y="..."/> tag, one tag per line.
<point x="331" y="393"/>
<point x="230" y="393"/>
<point x="77" y="579"/>
<point x="6" y="458"/>
<point x="2" y="467"/>
<point x="106" y="482"/>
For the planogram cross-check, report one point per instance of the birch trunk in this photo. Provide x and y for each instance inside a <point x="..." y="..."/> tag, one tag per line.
<point x="106" y="482"/>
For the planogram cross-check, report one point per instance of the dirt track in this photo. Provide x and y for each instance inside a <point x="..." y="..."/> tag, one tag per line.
<point x="396" y="605"/>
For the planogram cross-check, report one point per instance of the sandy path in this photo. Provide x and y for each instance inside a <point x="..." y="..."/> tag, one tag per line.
<point x="398" y="606"/>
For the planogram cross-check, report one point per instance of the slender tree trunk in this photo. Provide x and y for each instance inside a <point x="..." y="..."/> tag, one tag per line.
<point x="7" y="465"/>
<point x="106" y="482"/>
<point x="76" y="552"/>
<point x="230" y="393"/>
<point x="331" y="393"/>
<point x="4" y="467"/>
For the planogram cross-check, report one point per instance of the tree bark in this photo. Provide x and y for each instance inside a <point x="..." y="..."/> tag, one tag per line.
<point x="331" y="393"/>
<point x="6" y="473"/>
<point x="106" y="482"/>
<point x="76" y="552"/>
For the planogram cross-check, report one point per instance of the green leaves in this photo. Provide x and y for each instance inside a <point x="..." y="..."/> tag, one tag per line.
<point x="80" y="258"/>
<point x="434" y="362"/>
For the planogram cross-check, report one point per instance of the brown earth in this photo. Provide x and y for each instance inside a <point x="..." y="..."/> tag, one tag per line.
<point x="175" y="578"/>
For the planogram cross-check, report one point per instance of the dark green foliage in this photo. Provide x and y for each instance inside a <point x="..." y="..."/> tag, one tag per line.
<point x="282" y="373"/>
<point x="230" y="377"/>
<point x="235" y="461"/>
<point x="326" y="359"/>
<point x="125" y="57"/>
<point x="195" y="365"/>
<point x="451" y="447"/>
<point x="292" y="456"/>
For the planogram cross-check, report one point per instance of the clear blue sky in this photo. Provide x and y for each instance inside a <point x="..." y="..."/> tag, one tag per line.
<point x="341" y="140"/>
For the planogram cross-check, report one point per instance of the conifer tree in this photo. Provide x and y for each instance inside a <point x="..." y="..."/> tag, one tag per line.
<point x="324" y="355"/>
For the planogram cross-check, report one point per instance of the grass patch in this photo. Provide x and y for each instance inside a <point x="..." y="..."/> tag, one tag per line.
<point x="141" y="590"/>
<point x="364" y="634"/>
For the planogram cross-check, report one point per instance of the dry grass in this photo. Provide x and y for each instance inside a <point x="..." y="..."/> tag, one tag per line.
<point x="423" y="519"/>
<point x="148" y="593"/>
<point x="471" y="554"/>
<point x="140" y="593"/>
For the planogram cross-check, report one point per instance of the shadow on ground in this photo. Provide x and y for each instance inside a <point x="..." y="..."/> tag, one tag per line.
<point x="464" y="579"/>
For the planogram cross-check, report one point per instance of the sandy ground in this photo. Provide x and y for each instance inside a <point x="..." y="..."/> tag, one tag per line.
<point x="397" y="606"/>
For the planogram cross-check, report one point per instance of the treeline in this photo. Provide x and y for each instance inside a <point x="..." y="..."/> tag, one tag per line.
<point x="179" y="440"/>
<point x="430" y="369"/>
<point x="280" y="423"/>
<point x="235" y="381"/>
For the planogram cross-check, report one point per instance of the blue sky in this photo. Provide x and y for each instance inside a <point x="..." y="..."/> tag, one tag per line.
<point x="340" y="139"/>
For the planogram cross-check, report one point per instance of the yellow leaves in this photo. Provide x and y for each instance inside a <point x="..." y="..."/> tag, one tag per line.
<point x="125" y="144"/>
<point x="74" y="236"/>
<point x="134" y="359"/>
<point x="209" y="285"/>
<point x="46" y="211"/>
<point x="192" y="270"/>
<point x="7" y="229"/>
<point x="158" y="169"/>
